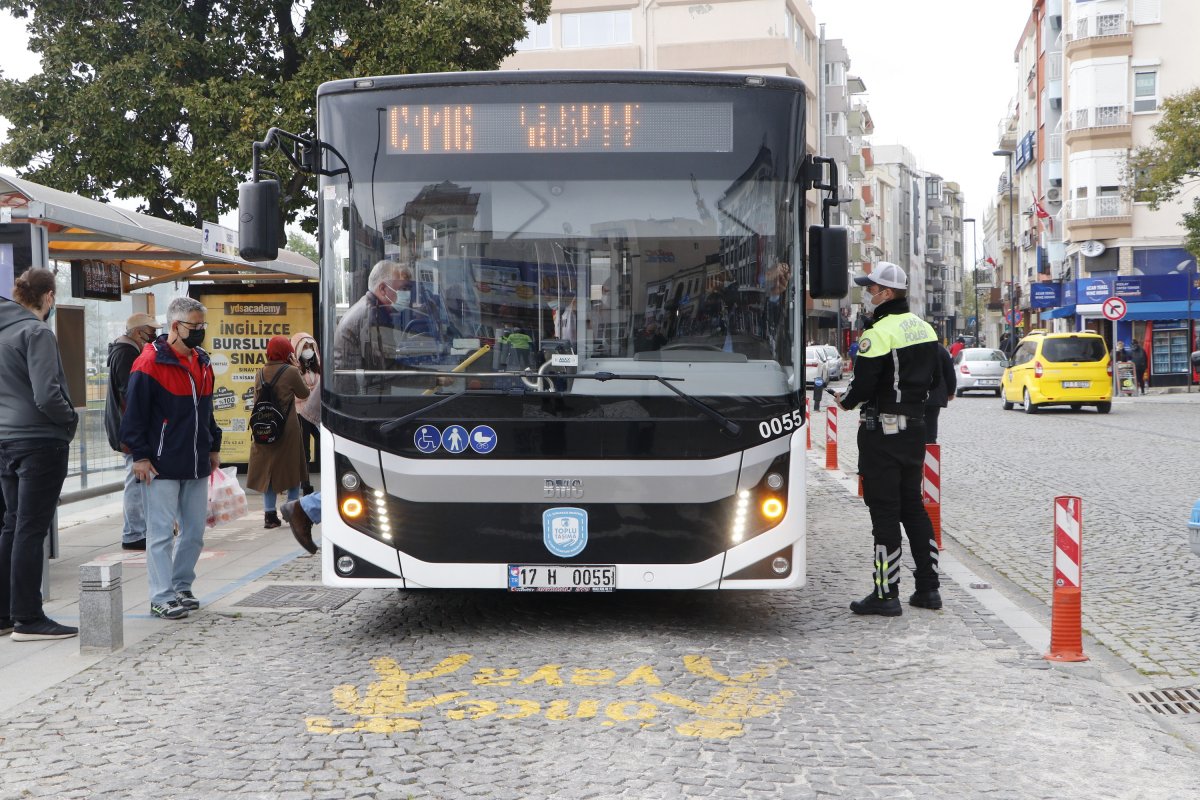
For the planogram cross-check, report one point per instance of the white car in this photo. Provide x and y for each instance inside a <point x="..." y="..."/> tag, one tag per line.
<point x="833" y="360"/>
<point x="815" y="366"/>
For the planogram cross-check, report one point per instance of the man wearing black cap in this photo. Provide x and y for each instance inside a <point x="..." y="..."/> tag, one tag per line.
<point x="897" y="367"/>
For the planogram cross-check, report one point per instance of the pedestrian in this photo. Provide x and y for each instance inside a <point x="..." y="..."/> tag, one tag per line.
<point x="941" y="395"/>
<point x="309" y="408"/>
<point x="169" y="429"/>
<point x="279" y="466"/>
<point x="648" y="338"/>
<point x="898" y="369"/>
<point x="1140" y="362"/>
<point x="37" y="424"/>
<point x="301" y="515"/>
<point x="957" y="347"/>
<point x="140" y="330"/>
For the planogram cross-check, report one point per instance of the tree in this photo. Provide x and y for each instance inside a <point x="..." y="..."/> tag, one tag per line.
<point x="1162" y="170"/>
<point x="160" y="99"/>
<point x="299" y="243"/>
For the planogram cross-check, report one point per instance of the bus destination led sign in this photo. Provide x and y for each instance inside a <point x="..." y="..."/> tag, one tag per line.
<point x="560" y="128"/>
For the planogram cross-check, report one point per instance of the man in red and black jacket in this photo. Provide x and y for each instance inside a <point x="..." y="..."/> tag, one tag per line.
<point x="169" y="429"/>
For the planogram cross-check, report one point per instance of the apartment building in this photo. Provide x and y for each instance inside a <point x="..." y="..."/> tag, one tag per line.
<point x="1093" y="75"/>
<point x="846" y="122"/>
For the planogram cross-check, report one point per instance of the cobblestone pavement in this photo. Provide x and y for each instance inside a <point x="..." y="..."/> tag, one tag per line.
<point x="1135" y="471"/>
<point x="629" y="695"/>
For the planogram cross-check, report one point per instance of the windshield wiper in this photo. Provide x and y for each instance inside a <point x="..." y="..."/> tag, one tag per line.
<point x="701" y="406"/>
<point x="392" y="424"/>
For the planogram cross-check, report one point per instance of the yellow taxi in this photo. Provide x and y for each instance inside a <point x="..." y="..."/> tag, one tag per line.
<point x="1064" y="369"/>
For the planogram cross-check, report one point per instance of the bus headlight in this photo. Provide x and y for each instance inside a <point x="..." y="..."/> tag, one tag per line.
<point x="351" y="481"/>
<point x="345" y="565"/>
<point x="352" y="508"/>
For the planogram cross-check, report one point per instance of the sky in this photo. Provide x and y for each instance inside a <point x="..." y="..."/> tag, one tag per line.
<point x="939" y="76"/>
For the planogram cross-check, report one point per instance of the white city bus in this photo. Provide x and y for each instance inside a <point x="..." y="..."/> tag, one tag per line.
<point x="562" y="327"/>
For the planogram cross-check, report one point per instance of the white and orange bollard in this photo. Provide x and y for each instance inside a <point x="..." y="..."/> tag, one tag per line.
<point x="931" y="489"/>
<point x="1066" y="625"/>
<point x="831" y="459"/>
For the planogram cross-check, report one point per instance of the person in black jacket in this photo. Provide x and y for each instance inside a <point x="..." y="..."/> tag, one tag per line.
<point x="1139" y="365"/>
<point x="897" y="368"/>
<point x="140" y="330"/>
<point x="940" y="395"/>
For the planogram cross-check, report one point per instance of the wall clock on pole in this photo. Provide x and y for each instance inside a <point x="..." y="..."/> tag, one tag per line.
<point x="1092" y="248"/>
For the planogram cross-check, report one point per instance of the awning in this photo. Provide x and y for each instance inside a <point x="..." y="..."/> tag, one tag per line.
<point x="1059" y="313"/>
<point x="149" y="250"/>
<point x="1163" y="309"/>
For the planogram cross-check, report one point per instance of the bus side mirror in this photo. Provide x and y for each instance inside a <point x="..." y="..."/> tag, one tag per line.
<point x="258" y="220"/>
<point x="828" y="262"/>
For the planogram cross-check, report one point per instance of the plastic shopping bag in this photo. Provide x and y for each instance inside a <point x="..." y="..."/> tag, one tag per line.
<point x="226" y="498"/>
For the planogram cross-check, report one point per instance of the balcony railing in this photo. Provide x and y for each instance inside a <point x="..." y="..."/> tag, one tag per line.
<point x="1054" y="68"/>
<point x="1098" y="208"/>
<point x="1098" y="117"/>
<point x="1054" y="147"/>
<point x="1100" y="25"/>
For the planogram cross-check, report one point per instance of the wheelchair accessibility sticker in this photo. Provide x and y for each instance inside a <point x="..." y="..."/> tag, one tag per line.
<point x="427" y="439"/>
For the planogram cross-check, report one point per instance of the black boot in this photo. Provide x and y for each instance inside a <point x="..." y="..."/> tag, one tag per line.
<point x="928" y="598"/>
<point x="271" y="520"/>
<point x="873" y="604"/>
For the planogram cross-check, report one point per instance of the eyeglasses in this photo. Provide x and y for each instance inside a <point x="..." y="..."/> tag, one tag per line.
<point x="196" y="326"/>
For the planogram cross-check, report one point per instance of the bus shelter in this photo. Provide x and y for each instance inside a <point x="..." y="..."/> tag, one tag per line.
<point x="110" y="263"/>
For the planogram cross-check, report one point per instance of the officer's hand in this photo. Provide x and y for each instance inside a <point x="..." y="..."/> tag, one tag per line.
<point x="144" y="471"/>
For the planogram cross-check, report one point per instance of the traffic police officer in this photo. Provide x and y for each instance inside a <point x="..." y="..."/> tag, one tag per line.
<point x="896" y="368"/>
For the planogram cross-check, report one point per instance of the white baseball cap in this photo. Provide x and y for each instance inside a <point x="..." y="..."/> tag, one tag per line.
<point x="886" y="274"/>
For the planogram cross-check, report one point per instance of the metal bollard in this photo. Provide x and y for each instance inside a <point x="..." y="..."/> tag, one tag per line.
<point x="101" y="620"/>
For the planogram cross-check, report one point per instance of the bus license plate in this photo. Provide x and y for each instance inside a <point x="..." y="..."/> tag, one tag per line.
<point x="561" y="578"/>
<point x="1077" y="384"/>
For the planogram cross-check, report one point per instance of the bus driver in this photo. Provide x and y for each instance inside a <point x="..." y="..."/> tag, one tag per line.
<point x="370" y="335"/>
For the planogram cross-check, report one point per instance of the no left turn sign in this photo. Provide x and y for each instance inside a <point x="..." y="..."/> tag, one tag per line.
<point x="1114" y="308"/>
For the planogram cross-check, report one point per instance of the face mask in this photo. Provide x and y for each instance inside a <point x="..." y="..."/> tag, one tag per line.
<point x="49" y="315"/>
<point x="307" y="355"/>
<point x="402" y="299"/>
<point x="870" y="304"/>
<point x="193" y="339"/>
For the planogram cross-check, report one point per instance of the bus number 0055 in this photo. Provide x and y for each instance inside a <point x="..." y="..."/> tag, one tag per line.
<point x="781" y="424"/>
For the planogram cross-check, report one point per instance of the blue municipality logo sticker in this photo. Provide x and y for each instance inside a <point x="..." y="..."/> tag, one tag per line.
<point x="565" y="531"/>
<point x="483" y="439"/>
<point x="454" y="439"/>
<point x="427" y="439"/>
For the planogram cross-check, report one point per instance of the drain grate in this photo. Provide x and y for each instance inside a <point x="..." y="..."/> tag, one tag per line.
<point x="1168" y="701"/>
<point x="316" y="597"/>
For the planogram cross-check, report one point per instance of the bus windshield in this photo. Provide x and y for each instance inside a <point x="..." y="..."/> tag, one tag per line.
<point x="497" y="262"/>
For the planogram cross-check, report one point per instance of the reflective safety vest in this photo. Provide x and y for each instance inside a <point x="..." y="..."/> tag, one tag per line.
<point x="897" y="363"/>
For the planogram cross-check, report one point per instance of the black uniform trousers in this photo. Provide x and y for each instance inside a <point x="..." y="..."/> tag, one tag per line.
<point x="891" y="468"/>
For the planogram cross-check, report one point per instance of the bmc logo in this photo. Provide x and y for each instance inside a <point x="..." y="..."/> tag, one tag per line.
<point x="559" y="488"/>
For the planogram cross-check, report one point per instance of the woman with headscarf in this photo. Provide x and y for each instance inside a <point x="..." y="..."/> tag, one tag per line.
<point x="280" y="466"/>
<point x="309" y="408"/>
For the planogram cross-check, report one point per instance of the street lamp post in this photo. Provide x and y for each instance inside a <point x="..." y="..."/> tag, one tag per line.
<point x="1012" y="255"/>
<point x="975" y="274"/>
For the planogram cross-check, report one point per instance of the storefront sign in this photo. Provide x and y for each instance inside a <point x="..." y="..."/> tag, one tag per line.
<point x="1045" y="295"/>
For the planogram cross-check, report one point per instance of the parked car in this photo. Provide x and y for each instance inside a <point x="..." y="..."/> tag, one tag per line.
<point x="815" y="365"/>
<point x="1072" y="369"/>
<point x="833" y="360"/>
<point x="979" y="369"/>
